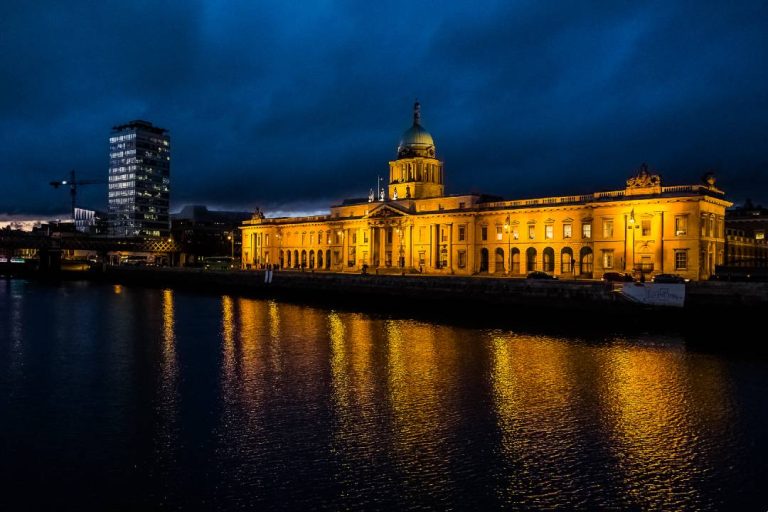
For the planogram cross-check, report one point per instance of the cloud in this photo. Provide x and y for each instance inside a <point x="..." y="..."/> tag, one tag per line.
<point x="276" y="104"/>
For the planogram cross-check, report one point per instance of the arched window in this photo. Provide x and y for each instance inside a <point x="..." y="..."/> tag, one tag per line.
<point x="303" y="259"/>
<point x="530" y="259"/>
<point x="483" y="260"/>
<point x="515" y="260"/>
<point x="499" y="260"/>
<point x="311" y="259"/>
<point x="549" y="259"/>
<point x="566" y="260"/>
<point x="296" y="259"/>
<point x="586" y="259"/>
<point x="319" y="259"/>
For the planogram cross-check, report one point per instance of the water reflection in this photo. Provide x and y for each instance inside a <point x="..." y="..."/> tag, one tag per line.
<point x="667" y="423"/>
<point x="536" y="397"/>
<point x="423" y="392"/>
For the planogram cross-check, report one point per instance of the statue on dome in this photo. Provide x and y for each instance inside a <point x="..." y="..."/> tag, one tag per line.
<point x="370" y="195"/>
<point x="381" y="194"/>
<point x="394" y="195"/>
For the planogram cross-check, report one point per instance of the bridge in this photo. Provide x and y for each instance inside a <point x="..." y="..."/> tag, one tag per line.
<point x="14" y="240"/>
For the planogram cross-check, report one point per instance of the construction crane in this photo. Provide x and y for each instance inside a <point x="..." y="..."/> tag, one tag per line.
<point x="73" y="184"/>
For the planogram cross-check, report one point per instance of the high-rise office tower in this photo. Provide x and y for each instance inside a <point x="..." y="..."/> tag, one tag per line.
<point x="139" y="180"/>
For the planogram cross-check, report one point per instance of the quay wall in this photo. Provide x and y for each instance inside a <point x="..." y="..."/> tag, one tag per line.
<point x="702" y="296"/>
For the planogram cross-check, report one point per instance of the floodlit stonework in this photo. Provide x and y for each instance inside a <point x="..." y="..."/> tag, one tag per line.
<point x="644" y="228"/>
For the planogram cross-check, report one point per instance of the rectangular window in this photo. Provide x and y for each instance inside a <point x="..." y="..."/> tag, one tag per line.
<point x="681" y="225"/>
<point x="422" y="258"/>
<point x="586" y="230"/>
<point x="462" y="259"/>
<point x="645" y="227"/>
<point x="328" y="238"/>
<point x="266" y="239"/>
<point x="499" y="233"/>
<point x="462" y="232"/>
<point x="302" y="239"/>
<point x="354" y="237"/>
<point x="549" y="232"/>
<point x="567" y="230"/>
<point x="461" y="206"/>
<point x="484" y="233"/>
<point x="515" y="234"/>
<point x="681" y="260"/>
<point x="389" y="235"/>
<point x="444" y="234"/>
<point x="607" y="228"/>
<point x="608" y="258"/>
<point x="531" y="231"/>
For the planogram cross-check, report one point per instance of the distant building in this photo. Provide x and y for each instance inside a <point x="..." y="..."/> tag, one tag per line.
<point x="746" y="242"/>
<point x="412" y="226"/>
<point x="205" y="232"/>
<point x="139" y="180"/>
<point x="91" y="222"/>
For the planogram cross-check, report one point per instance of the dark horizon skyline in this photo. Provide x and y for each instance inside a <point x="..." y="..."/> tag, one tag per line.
<point x="295" y="108"/>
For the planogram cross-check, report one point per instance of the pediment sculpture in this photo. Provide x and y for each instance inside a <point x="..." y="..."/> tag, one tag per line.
<point x="644" y="179"/>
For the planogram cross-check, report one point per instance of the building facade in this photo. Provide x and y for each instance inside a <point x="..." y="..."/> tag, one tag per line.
<point x="412" y="226"/>
<point x="746" y="243"/>
<point x="139" y="180"/>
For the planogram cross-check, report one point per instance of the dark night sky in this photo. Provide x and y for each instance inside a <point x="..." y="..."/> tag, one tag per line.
<point x="295" y="105"/>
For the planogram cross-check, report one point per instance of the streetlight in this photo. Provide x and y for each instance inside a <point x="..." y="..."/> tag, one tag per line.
<point x="509" y="244"/>
<point x="231" y="238"/>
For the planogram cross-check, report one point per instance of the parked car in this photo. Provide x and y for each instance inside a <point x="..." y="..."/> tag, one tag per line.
<point x="538" y="274"/>
<point x="669" y="278"/>
<point x="617" y="277"/>
<point x="219" y="263"/>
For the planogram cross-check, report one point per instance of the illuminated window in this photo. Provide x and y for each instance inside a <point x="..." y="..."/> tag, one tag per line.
<point x="515" y="234"/>
<point x="484" y="233"/>
<point x="462" y="232"/>
<point x="586" y="230"/>
<point x="531" y="232"/>
<point x="645" y="227"/>
<point x="549" y="232"/>
<point x="567" y="230"/>
<point x="499" y="233"/>
<point x="681" y="225"/>
<point x="607" y="228"/>
<point x="608" y="258"/>
<point x="760" y="235"/>
<point x="681" y="260"/>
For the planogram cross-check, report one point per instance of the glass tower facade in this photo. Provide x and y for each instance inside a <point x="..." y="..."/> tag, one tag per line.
<point x="139" y="180"/>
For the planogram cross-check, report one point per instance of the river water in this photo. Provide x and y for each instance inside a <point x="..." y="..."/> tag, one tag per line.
<point x="121" y="398"/>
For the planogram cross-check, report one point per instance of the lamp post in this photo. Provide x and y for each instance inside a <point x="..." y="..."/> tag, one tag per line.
<point x="231" y="238"/>
<point x="509" y="244"/>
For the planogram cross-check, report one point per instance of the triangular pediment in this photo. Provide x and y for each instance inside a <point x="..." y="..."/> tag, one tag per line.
<point x="383" y="211"/>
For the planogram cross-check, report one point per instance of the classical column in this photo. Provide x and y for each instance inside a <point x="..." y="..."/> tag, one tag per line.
<point x="344" y="249"/>
<point x="471" y="247"/>
<point x="382" y="246"/>
<point x="371" y="245"/>
<point x="450" y="246"/>
<point x="436" y="247"/>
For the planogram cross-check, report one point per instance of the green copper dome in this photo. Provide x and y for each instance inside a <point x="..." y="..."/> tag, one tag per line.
<point x="416" y="141"/>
